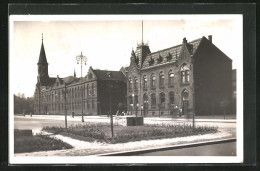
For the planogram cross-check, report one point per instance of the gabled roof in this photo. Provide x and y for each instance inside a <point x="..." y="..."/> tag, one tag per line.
<point x="173" y="51"/>
<point x="42" y="57"/>
<point x="109" y="75"/>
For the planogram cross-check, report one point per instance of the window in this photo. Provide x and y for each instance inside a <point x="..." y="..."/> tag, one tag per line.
<point x="171" y="77"/>
<point x="145" y="82"/>
<point x="162" y="100"/>
<point x="93" y="104"/>
<point x="161" y="79"/>
<point x="152" y="81"/>
<point x="130" y="83"/>
<point x="131" y="101"/>
<point x="83" y="92"/>
<point x="185" y="73"/>
<point x="153" y="101"/>
<point x="171" y="97"/>
<point x="90" y="91"/>
<point x="93" y="90"/>
<point x="87" y="90"/>
<point x="136" y="100"/>
<point x="87" y="105"/>
<point x="135" y="83"/>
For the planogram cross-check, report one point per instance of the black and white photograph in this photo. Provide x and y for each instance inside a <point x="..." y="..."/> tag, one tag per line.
<point x="97" y="89"/>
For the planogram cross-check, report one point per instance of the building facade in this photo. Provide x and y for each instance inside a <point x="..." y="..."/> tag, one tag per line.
<point x="99" y="92"/>
<point x="193" y="76"/>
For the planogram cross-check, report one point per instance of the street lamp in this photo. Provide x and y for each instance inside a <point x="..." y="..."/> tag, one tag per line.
<point x="65" y="91"/>
<point x="81" y="59"/>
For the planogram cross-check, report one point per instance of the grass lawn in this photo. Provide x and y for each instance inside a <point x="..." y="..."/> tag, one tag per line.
<point x="122" y="134"/>
<point x="38" y="143"/>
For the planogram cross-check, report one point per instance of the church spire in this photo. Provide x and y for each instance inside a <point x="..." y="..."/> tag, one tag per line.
<point x="42" y="57"/>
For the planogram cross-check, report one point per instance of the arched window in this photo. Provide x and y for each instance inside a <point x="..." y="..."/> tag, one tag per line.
<point x="152" y="81"/>
<point x="135" y="83"/>
<point x="171" y="97"/>
<point x="93" y="89"/>
<point x="153" y="100"/>
<point x="185" y="73"/>
<point x="130" y="83"/>
<point x="171" y="77"/>
<point x="162" y="100"/>
<point x="161" y="79"/>
<point x="145" y="81"/>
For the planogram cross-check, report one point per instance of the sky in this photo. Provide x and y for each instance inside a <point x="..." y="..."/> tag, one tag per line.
<point x="107" y="41"/>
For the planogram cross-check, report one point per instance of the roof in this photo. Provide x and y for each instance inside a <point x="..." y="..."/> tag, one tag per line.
<point x="42" y="57"/>
<point x="109" y="75"/>
<point x="174" y="52"/>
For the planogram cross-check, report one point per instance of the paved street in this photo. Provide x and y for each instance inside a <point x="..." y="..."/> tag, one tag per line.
<point x="223" y="149"/>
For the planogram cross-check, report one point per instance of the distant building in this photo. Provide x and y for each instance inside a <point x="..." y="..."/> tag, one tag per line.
<point x="98" y="90"/>
<point x="165" y="82"/>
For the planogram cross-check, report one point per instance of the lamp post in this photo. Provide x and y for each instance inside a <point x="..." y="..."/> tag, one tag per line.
<point x="81" y="59"/>
<point x="65" y="99"/>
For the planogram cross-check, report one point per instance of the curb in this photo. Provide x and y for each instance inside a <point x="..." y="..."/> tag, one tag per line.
<point x="135" y="152"/>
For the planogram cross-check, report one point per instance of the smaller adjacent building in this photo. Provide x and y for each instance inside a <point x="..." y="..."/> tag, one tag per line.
<point x="194" y="76"/>
<point x="97" y="93"/>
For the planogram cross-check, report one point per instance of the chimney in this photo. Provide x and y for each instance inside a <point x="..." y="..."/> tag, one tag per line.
<point x="210" y="38"/>
<point x="184" y="40"/>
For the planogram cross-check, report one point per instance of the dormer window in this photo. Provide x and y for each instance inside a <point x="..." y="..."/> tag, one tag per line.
<point x="90" y="76"/>
<point x="151" y="61"/>
<point x="169" y="56"/>
<point x="109" y="74"/>
<point x="159" y="59"/>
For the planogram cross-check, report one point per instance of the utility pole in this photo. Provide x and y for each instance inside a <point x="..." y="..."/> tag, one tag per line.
<point x="110" y="108"/>
<point x="193" y="93"/>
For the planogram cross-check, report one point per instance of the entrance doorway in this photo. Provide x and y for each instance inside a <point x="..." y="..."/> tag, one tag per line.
<point x="185" y="101"/>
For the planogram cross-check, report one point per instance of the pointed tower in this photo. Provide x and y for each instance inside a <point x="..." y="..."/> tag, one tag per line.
<point x="141" y="52"/>
<point x="43" y="75"/>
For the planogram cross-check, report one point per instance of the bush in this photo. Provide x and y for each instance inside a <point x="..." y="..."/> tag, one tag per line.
<point x="102" y="132"/>
<point x="38" y="143"/>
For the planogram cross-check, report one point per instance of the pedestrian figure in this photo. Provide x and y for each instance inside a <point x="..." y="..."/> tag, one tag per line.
<point x="31" y="114"/>
<point x="108" y="114"/>
<point x="180" y="112"/>
<point x="72" y="114"/>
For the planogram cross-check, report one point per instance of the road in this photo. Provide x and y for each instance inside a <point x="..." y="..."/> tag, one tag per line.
<point x="38" y="122"/>
<point x="223" y="149"/>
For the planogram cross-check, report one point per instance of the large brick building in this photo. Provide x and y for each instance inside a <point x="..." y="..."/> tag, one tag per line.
<point x="177" y="78"/>
<point x="93" y="91"/>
